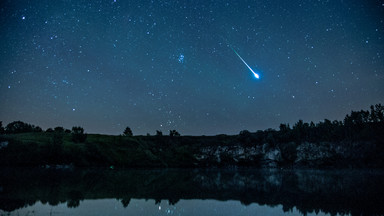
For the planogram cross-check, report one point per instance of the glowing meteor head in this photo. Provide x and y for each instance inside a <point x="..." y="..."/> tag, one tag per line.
<point x="256" y="75"/>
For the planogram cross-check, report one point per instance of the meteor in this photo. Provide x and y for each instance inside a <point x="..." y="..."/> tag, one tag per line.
<point x="254" y="73"/>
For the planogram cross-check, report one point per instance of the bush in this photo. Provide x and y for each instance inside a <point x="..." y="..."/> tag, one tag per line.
<point x="245" y="137"/>
<point x="173" y="133"/>
<point x="56" y="147"/>
<point x="57" y="139"/>
<point x="128" y="132"/>
<point x="21" y="127"/>
<point x="78" y="135"/>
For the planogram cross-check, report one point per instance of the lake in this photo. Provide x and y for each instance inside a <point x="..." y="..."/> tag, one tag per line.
<point x="190" y="192"/>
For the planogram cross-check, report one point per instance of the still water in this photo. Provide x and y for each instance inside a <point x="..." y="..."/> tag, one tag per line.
<point x="148" y="207"/>
<point x="190" y="192"/>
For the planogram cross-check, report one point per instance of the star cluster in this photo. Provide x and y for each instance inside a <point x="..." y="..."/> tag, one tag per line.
<point x="161" y="65"/>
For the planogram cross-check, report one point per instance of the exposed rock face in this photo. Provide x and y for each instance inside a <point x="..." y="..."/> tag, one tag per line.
<point x="315" y="154"/>
<point x="233" y="155"/>
<point x="271" y="156"/>
<point x="306" y="154"/>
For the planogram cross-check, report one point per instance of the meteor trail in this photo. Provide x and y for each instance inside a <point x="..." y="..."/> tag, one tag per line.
<point x="254" y="73"/>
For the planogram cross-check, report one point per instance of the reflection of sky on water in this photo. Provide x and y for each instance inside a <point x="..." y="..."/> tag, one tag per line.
<point x="143" y="207"/>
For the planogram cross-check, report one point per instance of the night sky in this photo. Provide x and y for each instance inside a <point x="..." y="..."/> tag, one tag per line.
<point x="161" y="65"/>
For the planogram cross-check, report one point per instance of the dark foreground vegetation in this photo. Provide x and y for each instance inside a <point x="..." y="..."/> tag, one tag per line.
<point x="355" y="142"/>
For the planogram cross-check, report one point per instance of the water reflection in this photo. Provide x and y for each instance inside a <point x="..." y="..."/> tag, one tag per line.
<point x="304" y="191"/>
<point x="148" y="207"/>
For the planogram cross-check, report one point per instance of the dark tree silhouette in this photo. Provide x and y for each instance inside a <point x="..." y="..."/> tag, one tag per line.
<point x="21" y="127"/>
<point x="173" y="133"/>
<point x="284" y="127"/>
<point x="37" y="129"/>
<point x="74" y="199"/>
<point x="358" y="125"/>
<point x="245" y="137"/>
<point x="125" y="202"/>
<point x="78" y="135"/>
<point x="59" y="129"/>
<point x="128" y="132"/>
<point x="244" y="133"/>
<point x="49" y="130"/>
<point x="377" y="113"/>
<point x="1" y="127"/>
<point x="159" y="133"/>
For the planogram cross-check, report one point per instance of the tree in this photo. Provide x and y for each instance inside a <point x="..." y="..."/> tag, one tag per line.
<point x="284" y="128"/>
<point x="244" y="133"/>
<point x="245" y="137"/>
<point x="159" y="133"/>
<point x="37" y="129"/>
<point x="1" y="127"/>
<point x="298" y="131"/>
<point x="59" y="129"/>
<point x="78" y="134"/>
<point x="21" y="127"/>
<point x="357" y="118"/>
<point x="74" y="199"/>
<point x="173" y="133"/>
<point x="125" y="202"/>
<point x="377" y="113"/>
<point x="49" y="130"/>
<point x="128" y="132"/>
<point x="284" y="133"/>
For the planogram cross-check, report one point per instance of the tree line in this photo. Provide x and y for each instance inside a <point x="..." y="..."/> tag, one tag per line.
<point x="17" y="127"/>
<point x="77" y="132"/>
<point x="358" y="125"/>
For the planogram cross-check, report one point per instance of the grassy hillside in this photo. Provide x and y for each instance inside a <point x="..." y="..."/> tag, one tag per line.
<point x="31" y="149"/>
<point x="358" y="140"/>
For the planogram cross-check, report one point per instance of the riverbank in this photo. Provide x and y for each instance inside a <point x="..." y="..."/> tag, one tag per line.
<point x="43" y="149"/>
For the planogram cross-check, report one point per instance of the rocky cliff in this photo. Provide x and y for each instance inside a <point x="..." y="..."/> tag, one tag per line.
<point x="306" y="154"/>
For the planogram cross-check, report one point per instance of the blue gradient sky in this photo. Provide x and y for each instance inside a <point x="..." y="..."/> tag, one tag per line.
<point x="161" y="65"/>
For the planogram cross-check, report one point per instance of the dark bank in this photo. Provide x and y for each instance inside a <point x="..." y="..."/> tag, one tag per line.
<point x="355" y="142"/>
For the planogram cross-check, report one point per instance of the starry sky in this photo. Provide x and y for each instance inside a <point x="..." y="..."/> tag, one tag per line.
<point x="164" y="64"/>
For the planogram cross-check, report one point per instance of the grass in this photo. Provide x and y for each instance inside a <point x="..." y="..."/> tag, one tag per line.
<point x="98" y="150"/>
<point x="42" y="148"/>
